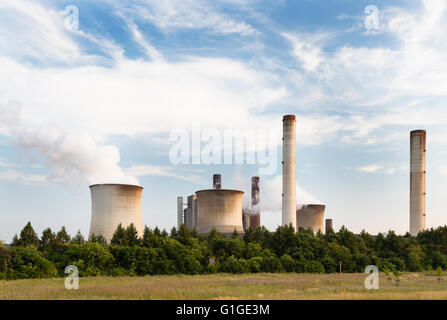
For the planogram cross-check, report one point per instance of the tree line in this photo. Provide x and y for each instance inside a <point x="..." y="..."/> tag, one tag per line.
<point x="184" y="251"/>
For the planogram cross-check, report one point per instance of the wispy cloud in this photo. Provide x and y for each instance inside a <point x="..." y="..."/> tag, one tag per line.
<point x="23" y="178"/>
<point x="172" y="15"/>
<point x="165" y="171"/>
<point x="387" y="169"/>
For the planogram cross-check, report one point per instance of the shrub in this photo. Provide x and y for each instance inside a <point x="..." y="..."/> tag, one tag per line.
<point x="26" y="262"/>
<point x="271" y="264"/>
<point x="92" y="259"/>
<point x="233" y="265"/>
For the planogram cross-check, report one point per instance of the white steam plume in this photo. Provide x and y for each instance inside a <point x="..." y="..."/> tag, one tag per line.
<point x="270" y="193"/>
<point x="271" y="190"/>
<point x="74" y="157"/>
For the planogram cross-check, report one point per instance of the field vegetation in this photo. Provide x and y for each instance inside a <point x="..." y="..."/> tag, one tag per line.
<point x="185" y="252"/>
<point x="230" y="286"/>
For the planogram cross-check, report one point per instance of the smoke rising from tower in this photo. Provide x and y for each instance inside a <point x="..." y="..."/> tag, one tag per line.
<point x="75" y="157"/>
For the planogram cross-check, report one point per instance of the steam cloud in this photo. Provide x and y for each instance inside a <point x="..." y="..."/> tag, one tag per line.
<point x="75" y="157"/>
<point x="270" y="193"/>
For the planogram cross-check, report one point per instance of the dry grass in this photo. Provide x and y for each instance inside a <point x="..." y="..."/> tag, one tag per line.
<point x="225" y="286"/>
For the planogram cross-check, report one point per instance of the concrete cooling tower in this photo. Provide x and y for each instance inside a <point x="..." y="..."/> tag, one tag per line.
<point x="220" y="209"/>
<point x="113" y="204"/>
<point x="311" y="216"/>
<point x="417" y="181"/>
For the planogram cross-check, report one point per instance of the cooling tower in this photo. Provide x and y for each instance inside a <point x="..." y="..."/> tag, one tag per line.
<point x="179" y="212"/>
<point x="221" y="209"/>
<point x="311" y="216"/>
<point x="255" y="217"/>
<point x="289" y="171"/>
<point x="329" y="225"/>
<point x="217" y="181"/>
<point x="113" y="204"/>
<point x="417" y="181"/>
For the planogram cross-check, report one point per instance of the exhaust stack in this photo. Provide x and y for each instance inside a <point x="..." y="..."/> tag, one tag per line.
<point x="417" y="181"/>
<point x="255" y="217"/>
<point x="328" y="225"/>
<point x="217" y="181"/>
<point x="179" y="212"/>
<point x="289" y="171"/>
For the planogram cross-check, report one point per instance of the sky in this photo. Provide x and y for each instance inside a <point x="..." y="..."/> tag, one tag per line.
<point x="100" y="92"/>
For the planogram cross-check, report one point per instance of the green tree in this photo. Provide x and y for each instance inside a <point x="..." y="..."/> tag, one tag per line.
<point x="119" y="237"/>
<point x="78" y="238"/>
<point x="131" y="236"/>
<point x="27" y="237"/>
<point x="48" y="241"/>
<point x="26" y="262"/>
<point x="5" y="257"/>
<point x="97" y="239"/>
<point x="62" y="236"/>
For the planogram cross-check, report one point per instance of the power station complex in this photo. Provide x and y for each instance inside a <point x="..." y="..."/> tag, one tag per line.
<point x="114" y="204"/>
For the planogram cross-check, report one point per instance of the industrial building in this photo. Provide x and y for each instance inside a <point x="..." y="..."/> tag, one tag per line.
<point x="417" y="181"/>
<point x="213" y="208"/>
<point x="311" y="216"/>
<point x="329" y="225"/>
<point x="113" y="204"/>
<point x="246" y="218"/>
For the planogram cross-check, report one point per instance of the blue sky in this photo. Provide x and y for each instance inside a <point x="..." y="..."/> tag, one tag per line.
<point x="98" y="103"/>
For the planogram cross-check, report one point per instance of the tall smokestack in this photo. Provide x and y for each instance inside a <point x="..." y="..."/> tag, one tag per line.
<point x="417" y="181"/>
<point x="217" y="181"/>
<point x="289" y="171"/>
<point x="329" y="225"/>
<point x="179" y="212"/>
<point x="255" y="217"/>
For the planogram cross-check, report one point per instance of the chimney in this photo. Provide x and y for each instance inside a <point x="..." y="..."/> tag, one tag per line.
<point x="217" y="181"/>
<point x="255" y="217"/>
<point x="417" y="181"/>
<point x="328" y="225"/>
<point x="289" y="171"/>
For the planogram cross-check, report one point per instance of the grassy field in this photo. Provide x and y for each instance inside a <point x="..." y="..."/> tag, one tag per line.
<point x="226" y="286"/>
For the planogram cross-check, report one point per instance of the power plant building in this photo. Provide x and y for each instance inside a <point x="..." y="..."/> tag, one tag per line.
<point x="289" y="171"/>
<point x="191" y="212"/>
<point x="180" y="215"/>
<point x="329" y="225"/>
<point x="417" y="181"/>
<point x="311" y="216"/>
<point x="114" y="204"/>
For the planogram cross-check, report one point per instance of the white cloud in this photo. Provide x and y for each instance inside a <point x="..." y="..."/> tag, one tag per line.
<point x="164" y="171"/>
<point x="378" y="86"/>
<point x="28" y="30"/>
<point x="387" y="169"/>
<point x="173" y="15"/>
<point x="443" y="169"/>
<point x="307" y="50"/>
<point x="20" y="177"/>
